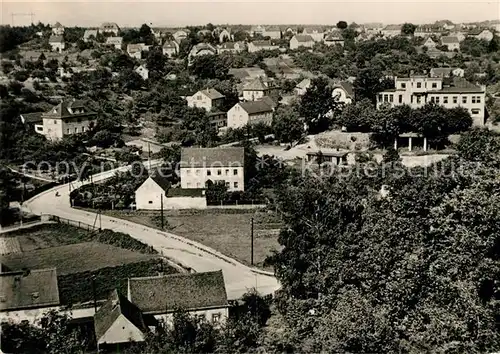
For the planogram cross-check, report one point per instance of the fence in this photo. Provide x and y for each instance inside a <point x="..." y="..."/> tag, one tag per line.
<point x="78" y="224"/>
<point x="236" y="202"/>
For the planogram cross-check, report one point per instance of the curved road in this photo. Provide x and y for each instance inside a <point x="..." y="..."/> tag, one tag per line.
<point x="238" y="277"/>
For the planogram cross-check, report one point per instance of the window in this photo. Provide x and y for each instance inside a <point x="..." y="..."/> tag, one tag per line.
<point x="432" y="99"/>
<point x="216" y="317"/>
<point x="403" y="85"/>
<point x="235" y="184"/>
<point x="202" y="317"/>
<point x="76" y="130"/>
<point x="464" y="99"/>
<point x="219" y="172"/>
<point x="419" y="85"/>
<point x="55" y="121"/>
<point x="235" y="172"/>
<point x="455" y="99"/>
<point x="188" y="185"/>
<point x="150" y="202"/>
<point x="209" y="173"/>
<point x="188" y="172"/>
<point x="83" y="129"/>
<point x="39" y="129"/>
<point x="473" y="99"/>
<point x="445" y="99"/>
<point x="478" y="99"/>
<point x="437" y="100"/>
<point x="198" y="97"/>
<point x="380" y="98"/>
<point x="411" y="99"/>
<point x="391" y="98"/>
<point x="419" y="99"/>
<point x="227" y="184"/>
<point x="434" y="85"/>
<point x="475" y="111"/>
<point x="197" y="172"/>
<point x="227" y="172"/>
<point x="400" y="98"/>
<point x="198" y="185"/>
<point x="68" y="131"/>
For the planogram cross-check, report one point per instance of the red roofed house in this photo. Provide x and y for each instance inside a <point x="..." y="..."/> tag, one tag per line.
<point x="251" y="112"/>
<point x="255" y="90"/>
<point x="67" y="118"/>
<point x="200" y="294"/>
<point x="208" y="99"/>
<point x="344" y="92"/>
<point x="218" y="165"/>
<point x="24" y="294"/>
<point x="301" y="40"/>
<point x="118" y="321"/>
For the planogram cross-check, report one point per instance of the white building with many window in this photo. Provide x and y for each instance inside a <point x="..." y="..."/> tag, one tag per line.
<point x="198" y="166"/>
<point x="416" y="91"/>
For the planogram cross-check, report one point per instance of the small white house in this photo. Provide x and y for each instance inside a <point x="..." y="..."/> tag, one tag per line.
<point x="90" y="34"/>
<point x="302" y="87"/>
<point x="429" y="43"/>
<point x="451" y="42"/>
<point x="57" y="43"/>
<point x="255" y="90"/>
<point x="156" y="191"/>
<point x="301" y="40"/>
<point x="343" y="92"/>
<point x="143" y="71"/>
<point x="114" y="42"/>
<point x="170" y="48"/>
<point x="207" y="99"/>
<point x="58" y="29"/>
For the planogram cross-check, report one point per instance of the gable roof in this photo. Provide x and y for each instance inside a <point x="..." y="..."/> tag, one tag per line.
<point x="182" y="192"/>
<point x="57" y="25"/>
<point x="347" y="87"/>
<point x="255" y="107"/>
<point x="162" y="294"/>
<point x="219" y="156"/>
<point x="262" y="43"/>
<point x="304" y="84"/>
<point x="89" y="33"/>
<point x="114" y="40"/>
<point x="35" y="288"/>
<point x="441" y="71"/>
<point x="212" y="93"/>
<point x="256" y="84"/>
<point x="334" y="36"/>
<point x="477" y="31"/>
<point x="392" y="28"/>
<point x="56" y="39"/>
<point x="133" y="48"/>
<point x="269" y="101"/>
<point x="202" y="46"/>
<point x="449" y="40"/>
<point x="303" y="38"/>
<point x="163" y="182"/>
<point x="170" y="44"/>
<point x="32" y="118"/>
<point x="313" y="29"/>
<point x="273" y="29"/>
<point x="109" y="312"/>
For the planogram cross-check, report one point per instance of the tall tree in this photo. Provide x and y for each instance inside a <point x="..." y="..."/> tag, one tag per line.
<point x="317" y="106"/>
<point x="408" y="29"/>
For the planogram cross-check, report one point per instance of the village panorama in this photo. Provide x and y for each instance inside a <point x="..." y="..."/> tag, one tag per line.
<point x="316" y="187"/>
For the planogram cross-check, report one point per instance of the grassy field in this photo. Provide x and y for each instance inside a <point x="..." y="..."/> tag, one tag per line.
<point x="223" y="230"/>
<point x="75" y="258"/>
<point x="53" y="235"/>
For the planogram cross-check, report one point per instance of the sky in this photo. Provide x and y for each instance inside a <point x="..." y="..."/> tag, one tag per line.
<point x="169" y="13"/>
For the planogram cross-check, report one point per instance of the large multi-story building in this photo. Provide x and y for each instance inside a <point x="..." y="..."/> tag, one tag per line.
<point x="67" y="118"/>
<point x="416" y="91"/>
<point x="219" y="165"/>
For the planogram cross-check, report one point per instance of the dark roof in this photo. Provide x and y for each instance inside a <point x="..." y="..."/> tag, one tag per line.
<point x="254" y="107"/>
<point x="213" y="94"/>
<point x="163" y="182"/>
<point x="459" y="90"/>
<point x="30" y="289"/>
<point x="169" y="44"/>
<point x="162" y="294"/>
<point x="64" y="109"/>
<point x="219" y="156"/>
<point x="477" y="31"/>
<point x="32" y="118"/>
<point x="227" y="45"/>
<point x="304" y="38"/>
<point x="56" y="39"/>
<point x="347" y="87"/>
<point x="269" y="101"/>
<point x="441" y="71"/>
<point x="262" y="43"/>
<point x="191" y="192"/>
<point x="334" y="36"/>
<point x="449" y="40"/>
<point x="109" y="312"/>
<point x="256" y="85"/>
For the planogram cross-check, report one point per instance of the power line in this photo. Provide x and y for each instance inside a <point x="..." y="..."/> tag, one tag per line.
<point x="22" y="14"/>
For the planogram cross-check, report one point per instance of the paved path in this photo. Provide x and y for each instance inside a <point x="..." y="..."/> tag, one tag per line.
<point x="239" y="278"/>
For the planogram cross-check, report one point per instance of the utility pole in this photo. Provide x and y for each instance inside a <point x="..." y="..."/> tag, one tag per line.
<point x="161" y="201"/>
<point x="149" y="156"/>
<point x="93" y="293"/>
<point x="251" y="256"/>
